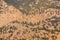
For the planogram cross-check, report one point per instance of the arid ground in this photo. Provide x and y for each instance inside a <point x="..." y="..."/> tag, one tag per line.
<point x="29" y="19"/>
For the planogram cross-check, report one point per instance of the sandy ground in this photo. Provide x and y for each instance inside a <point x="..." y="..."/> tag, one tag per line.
<point x="38" y="26"/>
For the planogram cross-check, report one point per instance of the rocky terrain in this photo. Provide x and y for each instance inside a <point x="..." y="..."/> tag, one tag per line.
<point x="29" y="19"/>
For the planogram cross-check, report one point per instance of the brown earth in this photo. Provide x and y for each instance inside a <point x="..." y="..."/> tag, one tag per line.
<point x="14" y="25"/>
